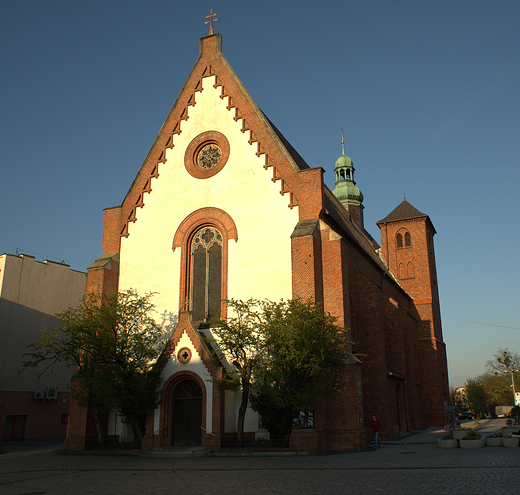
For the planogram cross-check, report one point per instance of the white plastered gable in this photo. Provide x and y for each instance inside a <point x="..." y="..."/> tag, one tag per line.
<point x="259" y="262"/>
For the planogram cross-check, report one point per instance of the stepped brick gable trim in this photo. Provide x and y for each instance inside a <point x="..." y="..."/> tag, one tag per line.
<point x="196" y="339"/>
<point x="278" y="153"/>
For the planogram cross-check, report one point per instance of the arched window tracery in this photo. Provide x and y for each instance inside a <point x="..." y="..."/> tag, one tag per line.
<point x="206" y="248"/>
<point x="403" y="240"/>
<point x="195" y="224"/>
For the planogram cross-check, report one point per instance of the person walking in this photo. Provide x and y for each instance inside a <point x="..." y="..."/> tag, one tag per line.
<point x="376" y="427"/>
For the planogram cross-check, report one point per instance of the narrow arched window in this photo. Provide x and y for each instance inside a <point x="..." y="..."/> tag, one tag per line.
<point x="399" y="241"/>
<point x="407" y="239"/>
<point x="206" y="273"/>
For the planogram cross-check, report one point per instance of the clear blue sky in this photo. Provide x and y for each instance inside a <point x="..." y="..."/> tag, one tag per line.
<point x="427" y="91"/>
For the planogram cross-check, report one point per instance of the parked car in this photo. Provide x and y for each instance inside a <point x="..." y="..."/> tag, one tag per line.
<point x="466" y="416"/>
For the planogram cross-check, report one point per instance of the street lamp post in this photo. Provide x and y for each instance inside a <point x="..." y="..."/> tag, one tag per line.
<point x="513" y="385"/>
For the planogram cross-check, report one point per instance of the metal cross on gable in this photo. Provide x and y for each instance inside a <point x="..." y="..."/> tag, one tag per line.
<point x="211" y="19"/>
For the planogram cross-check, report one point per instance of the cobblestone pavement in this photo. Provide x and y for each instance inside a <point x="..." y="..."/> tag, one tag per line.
<point x="410" y="465"/>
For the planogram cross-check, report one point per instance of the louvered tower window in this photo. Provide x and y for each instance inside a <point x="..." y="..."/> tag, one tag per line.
<point x="206" y="274"/>
<point x="407" y="240"/>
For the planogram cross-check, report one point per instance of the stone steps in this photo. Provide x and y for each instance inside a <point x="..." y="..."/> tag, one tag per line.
<point x="178" y="452"/>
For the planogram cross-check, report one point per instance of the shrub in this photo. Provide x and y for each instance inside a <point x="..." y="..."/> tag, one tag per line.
<point x="471" y="435"/>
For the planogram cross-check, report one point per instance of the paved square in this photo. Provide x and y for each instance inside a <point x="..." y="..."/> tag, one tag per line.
<point x="412" y="465"/>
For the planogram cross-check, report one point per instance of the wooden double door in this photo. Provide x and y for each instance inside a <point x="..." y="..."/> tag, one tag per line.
<point x="187" y="414"/>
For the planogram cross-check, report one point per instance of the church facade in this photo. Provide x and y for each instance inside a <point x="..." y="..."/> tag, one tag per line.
<point x="223" y="207"/>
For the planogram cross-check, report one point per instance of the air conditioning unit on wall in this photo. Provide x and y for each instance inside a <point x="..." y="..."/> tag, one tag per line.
<point x="51" y="393"/>
<point x="39" y="395"/>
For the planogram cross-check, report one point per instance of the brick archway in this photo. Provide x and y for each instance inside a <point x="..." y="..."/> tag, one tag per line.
<point x="167" y="403"/>
<point x="220" y="218"/>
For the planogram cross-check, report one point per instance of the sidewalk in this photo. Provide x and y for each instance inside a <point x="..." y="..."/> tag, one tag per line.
<point x="406" y="466"/>
<point x="424" y="436"/>
<point x="430" y="435"/>
<point x="31" y="446"/>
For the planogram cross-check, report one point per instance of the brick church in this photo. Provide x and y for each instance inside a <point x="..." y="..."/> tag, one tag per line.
<point x="224" y="207"/>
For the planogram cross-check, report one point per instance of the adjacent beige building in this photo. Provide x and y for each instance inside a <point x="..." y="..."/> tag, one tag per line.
<point x="30" y="291"/>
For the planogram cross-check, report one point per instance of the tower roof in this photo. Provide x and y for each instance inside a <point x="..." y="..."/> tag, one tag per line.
<point x="404" y="211"/>
<point x="346" y="190"/>
<point x="343" y="161"/>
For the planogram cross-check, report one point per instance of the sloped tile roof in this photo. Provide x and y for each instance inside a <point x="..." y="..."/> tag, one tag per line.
<point x="404" y="211"/>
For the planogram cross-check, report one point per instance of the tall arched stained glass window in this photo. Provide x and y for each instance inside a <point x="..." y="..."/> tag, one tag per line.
<point x="206" y="273"/>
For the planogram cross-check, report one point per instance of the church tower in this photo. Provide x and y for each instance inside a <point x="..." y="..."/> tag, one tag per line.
<point x="346" y="190"/>
<point x="407" y="247"/>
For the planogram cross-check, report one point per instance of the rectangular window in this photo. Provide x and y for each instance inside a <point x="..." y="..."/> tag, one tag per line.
<point x="14" y="427"/>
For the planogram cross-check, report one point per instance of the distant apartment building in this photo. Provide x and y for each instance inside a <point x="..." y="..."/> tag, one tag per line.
<point x="30" y="292"/>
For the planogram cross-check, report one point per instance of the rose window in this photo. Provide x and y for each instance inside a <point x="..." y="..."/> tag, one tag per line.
<point x="209" y="156"/>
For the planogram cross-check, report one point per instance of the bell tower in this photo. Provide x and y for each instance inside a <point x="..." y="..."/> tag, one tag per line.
<point x="407" y="248"/>
<point x="346" y="190"/>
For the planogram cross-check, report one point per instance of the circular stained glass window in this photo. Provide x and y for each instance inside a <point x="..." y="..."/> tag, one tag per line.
<point x="206" y="155"/>
<point x="209" y="156"/>
<point x="184" y="355"/>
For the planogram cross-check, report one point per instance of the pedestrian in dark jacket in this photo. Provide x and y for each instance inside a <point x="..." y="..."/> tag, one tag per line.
<point x="376" y="427"/>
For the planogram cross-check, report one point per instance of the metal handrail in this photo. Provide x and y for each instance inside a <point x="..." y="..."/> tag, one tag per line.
<point x="156" y="431"/>
<point x="208" y="432"/>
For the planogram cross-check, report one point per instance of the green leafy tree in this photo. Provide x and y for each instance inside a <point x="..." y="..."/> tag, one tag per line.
<point x="498" y="389"/>
<point x="115" y="344"/>
<point x="303" y="353"/>
<point x="476" y="397"/>
<point x="505" y="363"/>
<point x="483" y="393"/>
<point x="239" y="339"/>
<point x="283" y="354"/>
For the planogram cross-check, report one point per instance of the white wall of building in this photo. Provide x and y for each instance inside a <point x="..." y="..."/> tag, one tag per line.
<point x="259" y="262"/>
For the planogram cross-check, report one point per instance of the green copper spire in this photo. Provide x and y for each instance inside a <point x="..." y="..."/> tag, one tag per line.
<point x="346" y="190"/>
